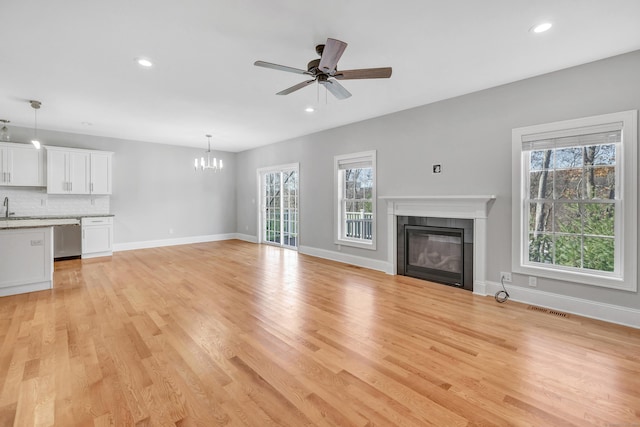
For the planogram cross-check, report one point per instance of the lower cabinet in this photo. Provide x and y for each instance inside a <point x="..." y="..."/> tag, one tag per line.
<point x="97" y="236"/>
<point x="26" y="260"/>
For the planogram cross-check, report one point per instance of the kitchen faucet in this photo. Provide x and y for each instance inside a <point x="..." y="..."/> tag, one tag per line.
<point x="6" y="203"/>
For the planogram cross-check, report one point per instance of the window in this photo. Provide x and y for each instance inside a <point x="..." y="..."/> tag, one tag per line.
<point x="356" y="199"/>
<point x="574" y="200"/>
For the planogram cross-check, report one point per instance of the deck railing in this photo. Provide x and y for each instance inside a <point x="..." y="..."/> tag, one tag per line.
<point x="359" y="225"/>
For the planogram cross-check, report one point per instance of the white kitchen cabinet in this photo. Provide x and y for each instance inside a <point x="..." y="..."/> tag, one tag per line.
<point x="26" y="260"/>
<point x="97" y="236"/>
<point x="100" y="172"/>
<point x="21" y="165"/>
<point x="77" y="171"/>
<point x="67" y="171"/>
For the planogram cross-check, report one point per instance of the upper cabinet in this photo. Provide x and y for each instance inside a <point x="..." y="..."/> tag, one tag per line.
<point x="100" y="175"/>
<point x="75" y="171"/>
<point x="21" y="165"/>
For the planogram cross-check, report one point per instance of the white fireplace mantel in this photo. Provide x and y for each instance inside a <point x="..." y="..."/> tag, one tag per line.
<point x="459" y="207"/>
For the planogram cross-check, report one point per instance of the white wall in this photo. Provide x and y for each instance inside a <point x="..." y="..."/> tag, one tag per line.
<point x="155" y="189"/>
<point x="470" y="136"/>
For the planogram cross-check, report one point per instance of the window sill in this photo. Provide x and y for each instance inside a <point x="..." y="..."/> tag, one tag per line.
<point x="603" y="281"/>
<point x="357" y="244"/>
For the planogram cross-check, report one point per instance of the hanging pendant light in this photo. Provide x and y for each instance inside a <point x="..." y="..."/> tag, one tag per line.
<point x="209" y="163"/>
<point x="4" y="132"/>
<point x="36" y="106"/>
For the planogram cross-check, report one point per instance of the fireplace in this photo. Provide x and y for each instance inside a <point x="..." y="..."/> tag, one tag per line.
<point x="436" y="249"/>
<point x="444" y="208"/>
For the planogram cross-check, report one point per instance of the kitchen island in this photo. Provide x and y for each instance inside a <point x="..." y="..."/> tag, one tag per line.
<point x="26" y="259"/>
<point x="26" y="252"/>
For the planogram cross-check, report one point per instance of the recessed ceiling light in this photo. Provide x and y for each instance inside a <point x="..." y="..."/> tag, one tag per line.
<point x="144" y="62"/>
<point x="541" y="28"/>
<point x="309" y="109"/>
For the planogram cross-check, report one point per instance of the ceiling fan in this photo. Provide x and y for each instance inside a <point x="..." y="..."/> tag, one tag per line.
<point x="325" y="71"/>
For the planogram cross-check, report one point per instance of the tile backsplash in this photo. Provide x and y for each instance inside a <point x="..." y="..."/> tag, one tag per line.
<point x="28" y="201"/>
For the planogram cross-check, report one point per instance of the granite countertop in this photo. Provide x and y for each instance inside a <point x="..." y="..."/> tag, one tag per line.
<point x="78" y="216"/>
<point x="45" y="220"/>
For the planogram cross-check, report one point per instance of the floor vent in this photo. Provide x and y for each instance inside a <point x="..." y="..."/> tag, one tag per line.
<point x="546" y="310"/>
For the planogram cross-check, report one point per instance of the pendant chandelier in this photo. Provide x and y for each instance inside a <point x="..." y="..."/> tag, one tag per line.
<point x="36" y="106"/>
<point x="209" y="163"/>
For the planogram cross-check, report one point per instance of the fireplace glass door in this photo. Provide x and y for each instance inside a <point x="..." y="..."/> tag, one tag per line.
<point x="435" y="253"/>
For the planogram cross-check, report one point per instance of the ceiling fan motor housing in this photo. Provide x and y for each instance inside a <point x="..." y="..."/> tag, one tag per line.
<point x="313" y="65"/>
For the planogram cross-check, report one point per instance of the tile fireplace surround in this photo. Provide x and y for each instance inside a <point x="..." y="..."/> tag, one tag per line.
<point x="458" y="207"/>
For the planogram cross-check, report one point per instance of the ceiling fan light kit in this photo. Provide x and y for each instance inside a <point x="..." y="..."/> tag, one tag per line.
<point x="325" y="71"/>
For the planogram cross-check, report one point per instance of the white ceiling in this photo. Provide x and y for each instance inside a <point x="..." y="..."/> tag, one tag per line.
<point x="77" y="57"/>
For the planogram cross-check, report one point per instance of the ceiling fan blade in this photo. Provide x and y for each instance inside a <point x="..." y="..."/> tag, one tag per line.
<point x="335" y="88"/>
<point x="364" y="73"/>
<point x="332" y="52"/>
<point x="295" y="87"/>
<point x="280" y="67"/>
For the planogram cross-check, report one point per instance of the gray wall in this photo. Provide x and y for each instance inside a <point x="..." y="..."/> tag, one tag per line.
<point x="155" y="187"/>
<point x="469" y="135"/>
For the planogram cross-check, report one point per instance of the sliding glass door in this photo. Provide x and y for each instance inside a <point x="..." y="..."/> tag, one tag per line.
<point x="279" y="205"/>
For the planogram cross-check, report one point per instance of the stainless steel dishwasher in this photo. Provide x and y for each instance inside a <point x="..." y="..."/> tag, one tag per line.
<point x="67" y="241"/>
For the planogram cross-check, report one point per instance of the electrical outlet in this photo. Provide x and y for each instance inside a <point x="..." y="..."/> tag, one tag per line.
<point x="533" y="281"/>
<point x="505" y="276"/>
<point x="171" y="231"/>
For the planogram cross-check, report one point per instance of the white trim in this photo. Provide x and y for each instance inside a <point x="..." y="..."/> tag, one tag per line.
<point x="23" y="289"/>
<point x="359" y="157"/>
<point x="626" y="229"/>
<point x="595" y="310"/>
<point x="97" y="254"/>
<point x="458" y="207"/>
<point x="358" y="261"/>
<point x="247" y="238"/>
<point x="129" y="246"/>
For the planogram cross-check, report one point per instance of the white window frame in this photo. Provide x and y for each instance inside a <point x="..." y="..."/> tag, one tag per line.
<point x="626" y="227"/>
<point x="339" y="238"/>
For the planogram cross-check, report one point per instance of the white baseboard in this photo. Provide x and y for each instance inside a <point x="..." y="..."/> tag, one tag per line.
<point x="97" y="254"/>
<point x="23" y="289"/>
<point x="247" y="238"/>
<point x="146" y="244"/>
<point x="358" y="261"/>
<point x="596" y="310"/>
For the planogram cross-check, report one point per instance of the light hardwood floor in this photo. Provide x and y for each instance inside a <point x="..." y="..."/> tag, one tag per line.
<point x="233" y="333"/>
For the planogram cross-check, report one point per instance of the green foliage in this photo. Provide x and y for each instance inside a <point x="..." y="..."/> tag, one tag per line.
<point x="583" y="238"/>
